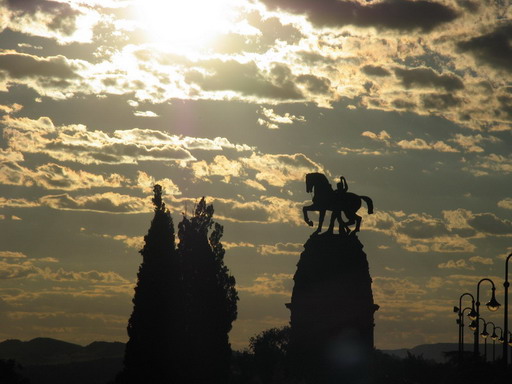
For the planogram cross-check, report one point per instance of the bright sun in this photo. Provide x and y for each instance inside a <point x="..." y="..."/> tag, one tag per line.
<point x="185" y="25"/>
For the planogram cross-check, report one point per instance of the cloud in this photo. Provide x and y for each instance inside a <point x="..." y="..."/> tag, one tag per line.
<point x="270" y="284"/>
<point x="420" y="144"/>
<point x="490" y="224"/>
<point x="146" y="184"/>
<point x="247" y="79"/>
<point x="280" y="249"/>
<point x="481" y="260"/>
<point x="108" y="202"/>
<point x="373" y="70"/>
<point x="77" y="143"/>
<point x="494" y="162"/>
<point x="428" y="78"/>
<point x="20" y="65"/>
<point x="16" y="271"/>
<point x="56" y="16"/>
<point x="505" y="203"/>
<point x="265" y="210"/>
<point x="54" y="176"/>
<point x="469" y="142"/>
<point x="402" y="15"/>
<point x="145" y="114"/>
<point x="493" y="49"/>
<point x="456" y="264"/>
<point x="394" y="288"/>
<point x="10" y="254"/>
<point x="220" y="166"/>
<point x="272" y="119"/>
<point x="278" y="170"/>
<point x="382" y="136"/>
<point x="136" y="242"/>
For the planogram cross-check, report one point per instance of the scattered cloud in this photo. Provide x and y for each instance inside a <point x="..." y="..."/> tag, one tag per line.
<point x="401" y="15"/>
<point x="270" y="284"/>
<point x="272" y="120"/>
<point x="10" y="254"/>
<point x="280" y="249"/>
<point x="505" y="203"/>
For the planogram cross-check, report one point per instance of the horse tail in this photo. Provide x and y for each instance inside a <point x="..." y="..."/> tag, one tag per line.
<point x="369" y="203"/>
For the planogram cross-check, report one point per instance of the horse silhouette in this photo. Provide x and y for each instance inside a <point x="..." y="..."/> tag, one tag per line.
<point x="326" y="199"/>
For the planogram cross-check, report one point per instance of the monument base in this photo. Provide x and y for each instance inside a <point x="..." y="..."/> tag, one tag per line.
<point x="332" y="310"/>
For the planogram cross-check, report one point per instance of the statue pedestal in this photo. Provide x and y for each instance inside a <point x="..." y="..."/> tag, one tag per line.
<point x="332" y="310"/>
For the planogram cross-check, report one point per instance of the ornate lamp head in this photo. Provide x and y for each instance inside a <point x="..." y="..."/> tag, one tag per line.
<point x="493" y="304"/>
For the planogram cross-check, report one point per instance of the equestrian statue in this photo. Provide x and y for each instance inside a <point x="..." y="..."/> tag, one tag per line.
<point x="337" y="201"/>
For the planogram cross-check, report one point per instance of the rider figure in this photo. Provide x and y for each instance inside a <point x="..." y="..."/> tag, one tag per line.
<point x="342" y="186"/>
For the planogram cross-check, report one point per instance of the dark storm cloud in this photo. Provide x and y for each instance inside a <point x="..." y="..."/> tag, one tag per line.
<point x="403" y="104"/>
<point x="373" y="70"/>
<point x="440" y="101"/>
<point x="493" y="49"/>
<point x="490" y="223"/>
<point x="393" y="14"/>
<point x="421" y="228"/>
<point x="314" y="84"/>
<point x="20" y="65"/>
<point x="62" y="15"/>
<point x="272" y="30"/>
<point x="426" y="77"/>
<point x="247" y="79"/>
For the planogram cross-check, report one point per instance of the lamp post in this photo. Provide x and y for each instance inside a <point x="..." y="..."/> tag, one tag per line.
<point x="492" y="305"/>
<point x="460" y="321"/>
<point x="509" y="340"/>
<point x="506" y="284"/>
<point x="494" y="337"/>
<point x="484" y="336"/>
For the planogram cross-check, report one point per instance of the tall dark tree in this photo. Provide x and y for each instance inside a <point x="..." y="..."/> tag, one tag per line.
<point x="152" y="328"/>
<point x="210" y="302"/>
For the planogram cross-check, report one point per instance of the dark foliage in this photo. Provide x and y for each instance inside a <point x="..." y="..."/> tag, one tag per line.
<point x="10" y="373"/>
<point x="269" y="349"/>
<point x="210" y="299"/>
<point x="185" y="302"/>
<point x="152" y="328"/>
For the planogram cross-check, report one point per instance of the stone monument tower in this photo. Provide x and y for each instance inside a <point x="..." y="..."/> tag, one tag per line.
<point x="332" y="308"/>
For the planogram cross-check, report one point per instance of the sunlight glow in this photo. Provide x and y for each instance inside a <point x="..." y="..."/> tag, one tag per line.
<point x="185" y="26"/>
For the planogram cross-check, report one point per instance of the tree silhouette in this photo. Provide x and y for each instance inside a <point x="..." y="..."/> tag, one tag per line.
<point x="210" y="298"/>
<point x="152" y="328"/>
<point x="270" y="348"/>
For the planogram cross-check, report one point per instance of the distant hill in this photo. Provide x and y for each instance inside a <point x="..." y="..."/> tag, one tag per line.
<point x="50" y="361"/>
<point x="437" y="352"/>
<point x="46" y="351"/>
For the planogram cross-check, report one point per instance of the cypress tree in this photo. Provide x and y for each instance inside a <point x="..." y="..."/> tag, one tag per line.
<point x="210" y="301"/>
<point x="151" y="349"/>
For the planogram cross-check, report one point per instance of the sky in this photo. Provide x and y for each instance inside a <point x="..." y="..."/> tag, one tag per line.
<point x="237" y="100"/>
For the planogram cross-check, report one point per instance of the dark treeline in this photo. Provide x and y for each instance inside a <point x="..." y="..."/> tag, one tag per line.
<point x="266" y="362"/>
<point x="184" y="304"/>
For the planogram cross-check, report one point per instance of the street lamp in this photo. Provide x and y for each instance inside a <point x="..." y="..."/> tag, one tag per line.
<point x="506" y="284"/>
<point x="484" y="336"/>
<point x="472" y="315"/>
<point x="492" y="305"/>
<point x="495" y="337"/>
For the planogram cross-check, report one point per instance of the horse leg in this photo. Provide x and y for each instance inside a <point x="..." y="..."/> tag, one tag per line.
<point x="305" y="212"/>
<point x="343" y="228"/>
<point x="358" y="222"/>
<point x="320" y="222"/>
<point x="334" y="216"/>
<point x="354" y="219"/>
